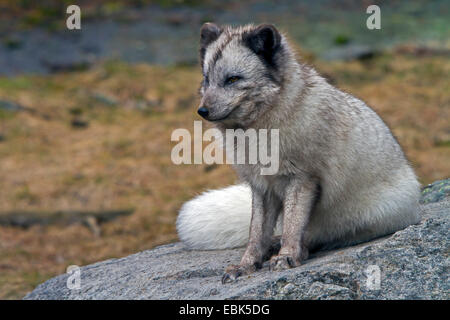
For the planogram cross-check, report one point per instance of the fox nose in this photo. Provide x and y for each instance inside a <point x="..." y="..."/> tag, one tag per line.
<point x="203" y="112"/>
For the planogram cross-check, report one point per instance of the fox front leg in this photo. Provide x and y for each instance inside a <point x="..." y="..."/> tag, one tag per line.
<point x="298" y="202"/>
<point x="265" y="210"/>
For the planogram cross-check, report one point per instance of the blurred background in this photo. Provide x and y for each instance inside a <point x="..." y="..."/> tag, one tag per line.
<point x="86" y="115"/>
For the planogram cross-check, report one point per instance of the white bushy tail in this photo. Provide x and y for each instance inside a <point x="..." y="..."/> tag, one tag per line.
<point x="216" y="219"/>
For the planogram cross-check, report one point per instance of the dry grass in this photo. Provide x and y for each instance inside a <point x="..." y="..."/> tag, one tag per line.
<point x="122" y="158"/>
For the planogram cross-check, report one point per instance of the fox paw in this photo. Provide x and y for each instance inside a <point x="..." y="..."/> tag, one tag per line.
<point x="283" y="262"/>
<point x="232" y="272"/>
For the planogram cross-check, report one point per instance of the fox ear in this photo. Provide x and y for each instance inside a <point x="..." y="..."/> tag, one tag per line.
<point x="208" y="33"/>
<point x="265" y="41"/>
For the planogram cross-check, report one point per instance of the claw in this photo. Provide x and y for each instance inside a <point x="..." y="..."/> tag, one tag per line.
<point x="290" y="261"/>
<point x="231" y="276"/>
<point x="226" y="278"/>
<point x="233" y="272"/>
<point x="282" y="262"/>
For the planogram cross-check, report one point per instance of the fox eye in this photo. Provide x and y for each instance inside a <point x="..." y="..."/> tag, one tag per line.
<point x="232" y="79"/>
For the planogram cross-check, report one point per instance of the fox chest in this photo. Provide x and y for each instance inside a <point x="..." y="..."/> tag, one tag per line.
<point x="275" y="181"/>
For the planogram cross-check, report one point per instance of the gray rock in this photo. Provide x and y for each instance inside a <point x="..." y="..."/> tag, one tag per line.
<point x="107" y="100"/>
<point x="10" y="106"/>
<point x="350" y="52"/>
<point x="411" y="264"/>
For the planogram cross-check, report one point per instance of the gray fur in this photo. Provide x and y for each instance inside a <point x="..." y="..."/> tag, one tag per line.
<point x="342" y="179"/>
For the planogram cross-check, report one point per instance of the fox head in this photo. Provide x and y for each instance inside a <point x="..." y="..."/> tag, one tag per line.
<point x="243" y="72"/>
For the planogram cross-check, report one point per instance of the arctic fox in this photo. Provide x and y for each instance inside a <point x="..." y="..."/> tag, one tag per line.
<point x="342" y="179"/>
